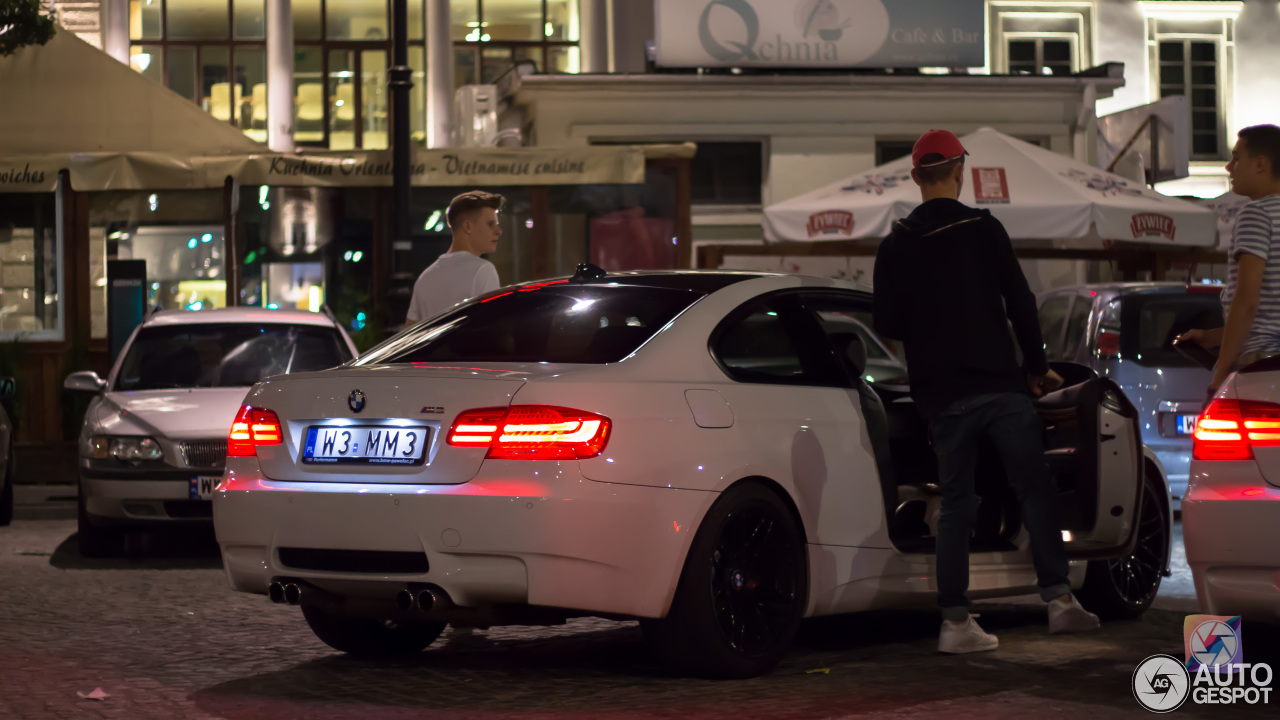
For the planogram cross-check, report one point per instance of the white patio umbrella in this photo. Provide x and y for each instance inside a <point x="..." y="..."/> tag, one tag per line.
<point x="1037" y="194"/>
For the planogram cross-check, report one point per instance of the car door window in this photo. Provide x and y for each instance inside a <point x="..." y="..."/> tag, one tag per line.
<point x="773" y="342"/>
<point x="845" y="318"/>
<point x="1077" y="326"/>
<point x="1053" y="316"/>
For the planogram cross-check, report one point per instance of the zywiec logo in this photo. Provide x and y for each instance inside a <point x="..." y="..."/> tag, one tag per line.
<point x="1161" y="684"/>
<point x="356" y="401"/>
<point x="1145" y="225"/>
<point x="830" y="222"/>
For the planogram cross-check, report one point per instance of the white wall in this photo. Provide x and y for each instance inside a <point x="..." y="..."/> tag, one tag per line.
<point x="1257" y="91"/>
<point x="798" y="165"/>
<point x="1122" y="37"/>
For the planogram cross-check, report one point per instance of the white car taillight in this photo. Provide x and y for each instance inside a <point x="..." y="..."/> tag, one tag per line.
<point x="253" y="427"/>
<point x="531" y="432"/>
<point x="1230" y="429"/>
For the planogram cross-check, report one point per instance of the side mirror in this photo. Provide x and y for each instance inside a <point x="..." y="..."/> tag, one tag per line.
<point x="85" y="381"/>
<point x="7" y="388"/>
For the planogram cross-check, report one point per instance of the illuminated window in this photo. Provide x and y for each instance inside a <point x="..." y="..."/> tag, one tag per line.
<point x="491" y="35"/>
<point x="1192" y="52"/>
<point x="1040" y="38"/>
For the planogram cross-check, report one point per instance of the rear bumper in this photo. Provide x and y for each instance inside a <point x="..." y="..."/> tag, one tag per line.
<point x="563" y="542"/>
<point x="1231" y="527"/>
<point x="122" y="502"/>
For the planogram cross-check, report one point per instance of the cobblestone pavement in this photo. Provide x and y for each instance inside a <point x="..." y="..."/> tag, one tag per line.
<point x="165" y="637"/>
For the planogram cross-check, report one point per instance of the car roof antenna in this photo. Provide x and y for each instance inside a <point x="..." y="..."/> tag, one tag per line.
<point x="587" y="271"/>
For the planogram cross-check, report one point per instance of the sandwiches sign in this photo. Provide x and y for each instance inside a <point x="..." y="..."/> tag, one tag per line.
<point x="820" y="33"/>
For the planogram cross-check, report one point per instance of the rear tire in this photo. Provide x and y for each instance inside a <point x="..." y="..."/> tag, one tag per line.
<point x="6" y="494"/>
<point x="1123" y="588"/>
<point x="93" y="541"/>
<point x="741" y="593"/>
<point x="364" y="637"/>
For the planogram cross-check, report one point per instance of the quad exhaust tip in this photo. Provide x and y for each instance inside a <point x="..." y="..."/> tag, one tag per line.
<point x="275" y="591"/>
<point x="292" y="593"/>
<point x="426" y="599"/>
<point x="404" y="600"/>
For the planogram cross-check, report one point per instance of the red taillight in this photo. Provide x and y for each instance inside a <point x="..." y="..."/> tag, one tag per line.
<point x="253" y="427"/>
<point x="531" y="432"/>
<point x="1230" y="429"/>
<point x="1108" y="343"/>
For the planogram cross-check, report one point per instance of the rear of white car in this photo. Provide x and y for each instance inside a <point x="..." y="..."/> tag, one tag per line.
<point x="1231" y="513"/>
<point x="422" y="476"/>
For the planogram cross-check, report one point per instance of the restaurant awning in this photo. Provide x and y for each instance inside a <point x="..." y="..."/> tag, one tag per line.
<point x="68" y="106"/>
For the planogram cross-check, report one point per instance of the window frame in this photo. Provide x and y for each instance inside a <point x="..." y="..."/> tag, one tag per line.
<point x="1168" y="20"/>
<point x="1189" y="86"/>
<point x="1072" y="39"/>
<point x="1050" y="16"/>
<point x="818" y="364"/>
<point x="60" y="234"/>
<point x="325" y="45"/>
<point x="476" y="47"/>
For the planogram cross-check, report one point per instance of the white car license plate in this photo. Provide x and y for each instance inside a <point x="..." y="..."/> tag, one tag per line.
<point x="1187" y="424"/>
<point x="365" y="445"/>
<point x="201" y="487"/>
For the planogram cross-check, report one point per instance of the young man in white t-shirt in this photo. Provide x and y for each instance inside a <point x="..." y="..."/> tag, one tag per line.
<point x="461" y="274"/>
<point x="1251" y="298"/>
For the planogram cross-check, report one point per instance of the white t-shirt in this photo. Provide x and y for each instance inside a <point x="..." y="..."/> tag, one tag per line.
<point x="453" y="278"/>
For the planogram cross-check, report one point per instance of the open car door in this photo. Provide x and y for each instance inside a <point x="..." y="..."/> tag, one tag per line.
<point x="1093" y="446"/>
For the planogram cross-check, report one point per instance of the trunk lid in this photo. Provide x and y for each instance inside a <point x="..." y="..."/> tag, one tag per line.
<point x="394" y="398"/>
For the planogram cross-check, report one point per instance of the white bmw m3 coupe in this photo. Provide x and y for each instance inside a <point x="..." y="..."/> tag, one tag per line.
<point x="703" y="451"/>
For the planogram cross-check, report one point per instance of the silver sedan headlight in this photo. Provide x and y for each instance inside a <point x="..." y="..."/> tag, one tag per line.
<point x="126" y="448"/>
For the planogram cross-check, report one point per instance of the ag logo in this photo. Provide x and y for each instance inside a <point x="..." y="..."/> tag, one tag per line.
<point x="1161" y="684"/>
<point x="735" y="50"/>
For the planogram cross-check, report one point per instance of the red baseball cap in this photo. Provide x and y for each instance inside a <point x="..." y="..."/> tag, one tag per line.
<point x="937" y="142"/>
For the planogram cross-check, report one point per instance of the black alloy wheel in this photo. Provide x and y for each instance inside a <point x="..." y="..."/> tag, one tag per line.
<point x="754" y="583"/>
<point x="1123" y="588"/>
<point x="742" y="591"/>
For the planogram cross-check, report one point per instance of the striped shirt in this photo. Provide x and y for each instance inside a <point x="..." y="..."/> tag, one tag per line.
<point x="1257" y="232"/>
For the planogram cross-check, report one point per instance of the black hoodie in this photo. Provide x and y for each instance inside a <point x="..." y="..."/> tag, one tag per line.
<point x="947" y="284"/>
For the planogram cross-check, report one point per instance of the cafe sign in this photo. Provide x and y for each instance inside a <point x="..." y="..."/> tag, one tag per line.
<point x="457" y="167"/>
<point x="820" y="33"/>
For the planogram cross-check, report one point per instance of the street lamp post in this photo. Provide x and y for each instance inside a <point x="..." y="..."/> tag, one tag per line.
<point x="400" y="81"/>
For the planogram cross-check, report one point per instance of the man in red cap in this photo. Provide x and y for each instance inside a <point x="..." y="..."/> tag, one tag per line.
<point x="947" y="284"/>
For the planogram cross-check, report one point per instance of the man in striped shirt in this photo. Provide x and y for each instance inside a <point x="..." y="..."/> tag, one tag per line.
<point x="1251" y="299"/>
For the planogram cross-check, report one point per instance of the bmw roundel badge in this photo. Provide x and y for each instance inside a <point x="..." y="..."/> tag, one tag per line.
<point x="356" y="401"/>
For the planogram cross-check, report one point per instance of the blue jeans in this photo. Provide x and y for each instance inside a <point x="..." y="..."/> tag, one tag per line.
<point x="1014" y="427"/>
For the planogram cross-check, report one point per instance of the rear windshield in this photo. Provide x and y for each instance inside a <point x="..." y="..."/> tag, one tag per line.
<point x="209" y="355"/>
<point x="559" y="323"/>
<point x="1151" y="321"/>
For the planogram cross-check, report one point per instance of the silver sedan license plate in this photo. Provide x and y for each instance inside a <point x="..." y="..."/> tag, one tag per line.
<point x="365" y="445"/>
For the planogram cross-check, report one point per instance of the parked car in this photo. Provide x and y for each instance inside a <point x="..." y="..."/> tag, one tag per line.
<point x="698" y="450"/>
<point x="1231" y="514"/>
<point x="154" y="440"/>
<point x="9" y="462"/>
<point x="1125" y="332"/>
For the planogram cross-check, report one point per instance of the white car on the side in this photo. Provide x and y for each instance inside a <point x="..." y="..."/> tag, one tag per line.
<point x="702" y="451"/>
<point x="154" y="439"/>
<point x="1231" y="514"/>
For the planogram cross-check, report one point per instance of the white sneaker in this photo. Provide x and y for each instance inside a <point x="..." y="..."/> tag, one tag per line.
<point x="1070" y="617"/>
<point x="957" y="639"/>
